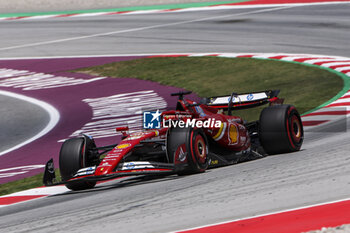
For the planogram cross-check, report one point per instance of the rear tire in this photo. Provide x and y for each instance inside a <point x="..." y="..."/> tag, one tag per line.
<point x="71" y="160"/>
<point x="194" y="143"/>
<point x="280" y="129"/>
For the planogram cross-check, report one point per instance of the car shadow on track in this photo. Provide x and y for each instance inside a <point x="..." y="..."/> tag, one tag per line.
<point x="124" y="182"/>
<point x="128" y="182"/>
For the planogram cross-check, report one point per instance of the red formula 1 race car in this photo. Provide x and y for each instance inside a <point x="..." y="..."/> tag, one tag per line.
<point x="188" y="140"/>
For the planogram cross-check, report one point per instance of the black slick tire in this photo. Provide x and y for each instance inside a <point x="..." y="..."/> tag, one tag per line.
<point x="71" y="160"/>
<point x="280" y="129"/>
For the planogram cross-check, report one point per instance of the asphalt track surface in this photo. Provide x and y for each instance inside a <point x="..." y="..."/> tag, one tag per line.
<point x="19" y="120"/>
<point x="318" y="173"/>
<point x="309" y="29"/>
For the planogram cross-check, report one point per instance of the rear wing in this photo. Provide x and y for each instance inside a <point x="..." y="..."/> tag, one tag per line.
<point x="242" y="101"/>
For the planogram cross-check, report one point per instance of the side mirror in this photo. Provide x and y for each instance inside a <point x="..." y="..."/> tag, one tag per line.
<point x="124" y="131"/>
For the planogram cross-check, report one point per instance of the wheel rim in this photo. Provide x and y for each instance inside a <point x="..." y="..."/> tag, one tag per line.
<point x="200" y="149"/>
<point x="296" y="129"/>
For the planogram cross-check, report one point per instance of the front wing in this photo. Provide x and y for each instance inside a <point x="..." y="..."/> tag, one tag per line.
<point x="128" y="169"/>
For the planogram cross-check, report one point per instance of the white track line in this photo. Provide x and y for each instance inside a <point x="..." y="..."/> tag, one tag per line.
<point x="53" y="114"/>
<point x="48" y="191"/>
<point x="142" y="28"/>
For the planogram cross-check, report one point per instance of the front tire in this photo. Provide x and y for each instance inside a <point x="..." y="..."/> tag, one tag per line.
<point x="71" y="160"/>
<point x="280" y="129"/>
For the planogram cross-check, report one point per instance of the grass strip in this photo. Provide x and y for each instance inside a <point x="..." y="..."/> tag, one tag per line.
<point x="306" y="87"/>
<point x="24" y="184"/>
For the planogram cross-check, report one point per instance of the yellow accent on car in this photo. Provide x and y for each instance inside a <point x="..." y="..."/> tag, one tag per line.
<point x="122" y="146"/>
<point x="220" y="131"/>
<point x="214" y="162"/>
<point x="233" y="134"/>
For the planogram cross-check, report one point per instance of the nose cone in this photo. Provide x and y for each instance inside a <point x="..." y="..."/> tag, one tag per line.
<point x="113" y="158"/>
<point x="102" y="170"/>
